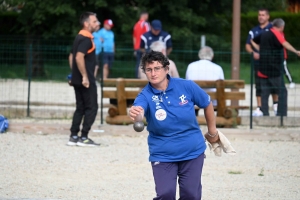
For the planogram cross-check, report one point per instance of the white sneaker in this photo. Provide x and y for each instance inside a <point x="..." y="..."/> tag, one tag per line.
<point x="257" y="113"/>
<point x="275" y="106"/>
<point x="292" y="85"/>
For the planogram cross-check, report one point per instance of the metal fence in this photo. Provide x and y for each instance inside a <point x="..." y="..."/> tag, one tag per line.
<point x="33" y="78"/>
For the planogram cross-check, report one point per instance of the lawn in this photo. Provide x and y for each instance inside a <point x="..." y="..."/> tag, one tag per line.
<point x="59" y="72"/>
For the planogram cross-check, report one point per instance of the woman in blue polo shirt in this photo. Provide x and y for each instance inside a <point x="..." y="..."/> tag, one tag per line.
<point x="176" y="144"/>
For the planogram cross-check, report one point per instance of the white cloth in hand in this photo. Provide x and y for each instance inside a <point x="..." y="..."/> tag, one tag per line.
<point x="223" y="144"/>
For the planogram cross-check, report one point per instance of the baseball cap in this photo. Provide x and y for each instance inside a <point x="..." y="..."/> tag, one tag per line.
<point x="156" y="25"/>
<point x="109" y="22"/>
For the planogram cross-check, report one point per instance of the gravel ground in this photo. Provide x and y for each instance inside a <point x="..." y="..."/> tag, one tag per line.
<point x="41" y="166"/>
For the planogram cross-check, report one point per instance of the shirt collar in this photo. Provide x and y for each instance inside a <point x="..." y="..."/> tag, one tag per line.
<point x="156" y="91"/>
<point x="86" y="33"/>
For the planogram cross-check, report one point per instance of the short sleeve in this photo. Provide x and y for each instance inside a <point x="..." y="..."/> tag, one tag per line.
<point x="250" y="36"/>
<point x="142" y="45"/>
<point x="168" y="41"/>
<point x="84" y="45"/>
<point x="199" y="96"/>
<point x="141" y="100"/>
<point x="279" y="36"/>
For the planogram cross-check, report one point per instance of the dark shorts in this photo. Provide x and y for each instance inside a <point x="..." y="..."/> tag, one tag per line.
<point x="272" y="84"/>
<point x="98" y="56"/>
<point x="108" y="58"/>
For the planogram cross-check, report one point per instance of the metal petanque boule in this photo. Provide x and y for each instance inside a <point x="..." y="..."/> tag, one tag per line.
<point x="138" y="126"/>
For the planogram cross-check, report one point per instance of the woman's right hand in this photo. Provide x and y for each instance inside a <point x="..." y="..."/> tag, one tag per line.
<point x="136" y="113"/>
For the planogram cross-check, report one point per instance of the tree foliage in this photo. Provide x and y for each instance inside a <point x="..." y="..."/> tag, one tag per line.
<point x="186" y="20"/>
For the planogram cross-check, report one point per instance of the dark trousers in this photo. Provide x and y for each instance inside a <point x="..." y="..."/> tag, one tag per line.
<point x="273" y="85"/>
<point x="86" y="107"/>
<point x="189" y="178"/>
<point x="137" y="64"/>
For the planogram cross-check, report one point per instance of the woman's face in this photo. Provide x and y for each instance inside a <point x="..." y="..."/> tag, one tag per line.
<point x="156" y="73"/>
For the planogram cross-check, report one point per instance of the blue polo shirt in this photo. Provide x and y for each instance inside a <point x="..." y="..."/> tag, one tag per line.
<point x="147" y="39"/>
<point x="108" y="40"/>
<point x="97" y="42"/>
<point x="174" y="133"/>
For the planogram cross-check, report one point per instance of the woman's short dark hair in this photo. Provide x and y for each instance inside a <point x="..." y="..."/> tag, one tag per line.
<point x="84" y="17"/>
<point x="153" y="56"/>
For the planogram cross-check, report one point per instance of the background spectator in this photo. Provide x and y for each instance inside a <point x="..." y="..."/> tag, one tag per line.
<point x="205" y="69"/>
<point x="108" y="43"/>
<point x="82" y="61"/>
<point x="264" y="25"/>
<point x="156" y="34"/>
<point x="98" y="46"/>
<point x="161" y="47"/>
<point x="271" y="46"/>
<point x="140" y="27"/>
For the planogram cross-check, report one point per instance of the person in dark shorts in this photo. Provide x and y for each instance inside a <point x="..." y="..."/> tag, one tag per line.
<point x="271" y="46"/>
<point x="108" y="43"/>
<point x="264" y="25"/>
<point x="82" y="61"/>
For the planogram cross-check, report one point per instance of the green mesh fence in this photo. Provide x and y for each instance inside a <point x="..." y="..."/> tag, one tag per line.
<point x="33" y="74"/>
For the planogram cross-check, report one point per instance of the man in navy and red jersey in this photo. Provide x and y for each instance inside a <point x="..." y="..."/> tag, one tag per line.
<point x="156" y="34"/>
<point x="82" y="61"/>
<point x="271" y="46"/>
<point x="141" y="27"/>
<point x="264" y="25"/>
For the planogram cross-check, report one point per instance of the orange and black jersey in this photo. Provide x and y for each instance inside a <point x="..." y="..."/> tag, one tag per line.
<point x="83" y="43"/>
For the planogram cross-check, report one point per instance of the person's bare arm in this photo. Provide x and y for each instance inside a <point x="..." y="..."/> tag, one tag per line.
<point x="81" y="66"/>
<point x="142" y="50"/>
<point x="173" y="70"/>
<point x="209" y="114"/>
<point x="133" y="40"/>
<point x="169" y="51"/>
<point x="248" y="48"/>
<point x="70" y="60"/>
<point x="96" y="70"/>
<point x="289" y="47"/>
<point x="256" y="46"/>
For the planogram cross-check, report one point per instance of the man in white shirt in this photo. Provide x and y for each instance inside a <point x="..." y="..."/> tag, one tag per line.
<point x="205" y="69"/>
<point x="161" y="47"/>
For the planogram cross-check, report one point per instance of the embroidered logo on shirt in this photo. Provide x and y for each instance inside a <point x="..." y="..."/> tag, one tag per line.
<point x="155" y="99"/>
<point x="183" y="100"/>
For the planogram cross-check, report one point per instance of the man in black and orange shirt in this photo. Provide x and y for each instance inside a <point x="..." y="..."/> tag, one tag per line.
<point x="271" y="44"/>
<point x="82" y="61"/>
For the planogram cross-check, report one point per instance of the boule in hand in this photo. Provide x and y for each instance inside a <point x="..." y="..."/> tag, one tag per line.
<point x="138" y="126"/>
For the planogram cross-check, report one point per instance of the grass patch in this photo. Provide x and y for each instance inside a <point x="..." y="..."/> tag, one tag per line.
<point x="125" y="69"/>
<point x="261" y="172"/>
<point x="234" y="172"/>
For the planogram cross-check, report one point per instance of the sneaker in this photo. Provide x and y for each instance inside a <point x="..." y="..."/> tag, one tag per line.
<point x="257" y="113"/>
<point x="292" y="85"/>
<point x="73" y="141"/>
<point x="275" y="106"/>
<point x="87" y="142"/>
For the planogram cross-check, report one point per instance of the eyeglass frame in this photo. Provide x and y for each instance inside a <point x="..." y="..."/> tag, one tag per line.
<point x="155" y="69"/>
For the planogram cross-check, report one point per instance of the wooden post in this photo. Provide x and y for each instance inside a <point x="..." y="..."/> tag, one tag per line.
<point x="235" y="56"/>
<point x="121" y="96"/>
<point x="221" y="106"/>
